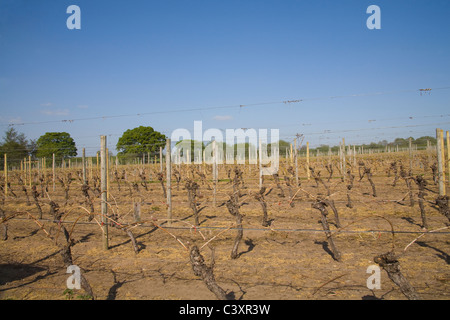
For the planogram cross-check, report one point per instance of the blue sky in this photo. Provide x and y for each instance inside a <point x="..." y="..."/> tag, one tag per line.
<point x="155" y="57"/>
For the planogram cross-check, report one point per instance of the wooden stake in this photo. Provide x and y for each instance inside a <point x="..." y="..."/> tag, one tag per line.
<point x="443" y="155"/>
<point x="291" y="155"/>
<point x="260" y="164"/>
<point x="307" y="161"/>
<point x="343" y="160"/>
<point x="6" y="176"/>
<point x="448" y="155"/>
<point x="84" y="165"/>
<point x="169" y="181"/>
<point x="410" y="154"/>
<point x="439" y="138"/>
<point x="214" y="147"/>
<point x="107" y="174"/>
<point x="90" y="168"/>
<point x="295" y="163"/>
<point x="160" y="159"/>
<point x="104" y="197"/>
<point x="29" y="166"/>
<point x="53" y="172"/>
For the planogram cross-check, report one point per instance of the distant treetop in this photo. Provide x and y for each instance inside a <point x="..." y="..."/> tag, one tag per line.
<point x="59" y="143"/>
<point x="141" y="140"/>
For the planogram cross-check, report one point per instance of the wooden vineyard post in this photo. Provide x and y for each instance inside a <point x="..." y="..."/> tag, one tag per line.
<point x="448" y="156"/>
<point x="291" y="156"/>
<point x="429" y="150"/>
<point x="410" y="154"/>
<point x="260" y="164"/>
<point x="6" y="175"/>
<point x="53" y="172"/>
<point x="204" y="161"/>
<point x="307" y="161"/>
<point x="340" y="157"/>
<point x="24" y="171"/>
<point x="160" y="159"/>
<point x="29" y="166"/>
<point x="214" y="147"/>
<point x="343" y="160"/>
<point x="439" y="138"/>
<point x="295" y="162"/>
<point x="188" y="159"/>
<point x="443" y="155"/>
<point x="107" y="174"/>
<point x="84" y="165"/>
<point x="104" y="205"/>
<point x="90" y="168"/>
<point x="329" y="156"/>
<point x="169" y="181"/>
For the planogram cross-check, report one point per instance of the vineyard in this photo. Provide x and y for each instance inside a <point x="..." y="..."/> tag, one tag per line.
<point x="309" y="232"/>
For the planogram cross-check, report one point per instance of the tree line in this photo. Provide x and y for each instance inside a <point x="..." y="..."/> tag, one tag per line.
<point x="421" y="143"/>
<point x="145" y="141"/>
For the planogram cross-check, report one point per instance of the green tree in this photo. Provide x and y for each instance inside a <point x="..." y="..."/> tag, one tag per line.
<point x="15" y="145"/>
<point x="59" y="143"/>
<point x="139" y="141"/>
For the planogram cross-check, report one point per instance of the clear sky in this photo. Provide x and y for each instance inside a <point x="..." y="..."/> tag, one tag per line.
<point x="157" y="57"/>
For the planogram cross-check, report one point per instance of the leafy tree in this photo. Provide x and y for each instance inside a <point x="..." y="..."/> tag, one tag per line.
<point x="59" y="143"/>
<point x="139" y="141"/>
<point x="15" y="145"/>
